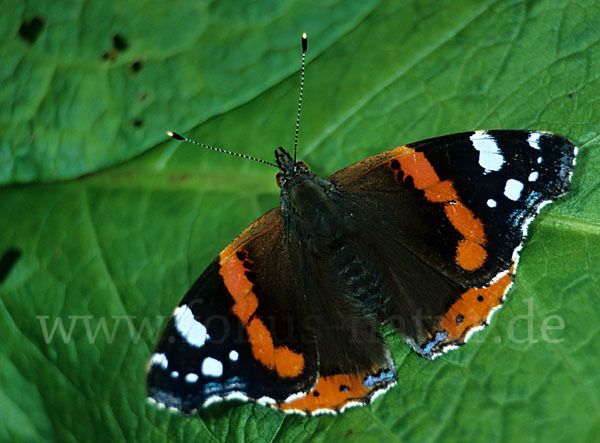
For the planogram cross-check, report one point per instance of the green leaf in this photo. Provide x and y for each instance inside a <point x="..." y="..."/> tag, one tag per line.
<point x="113" y="223"/>
<point x="89" y="86"/>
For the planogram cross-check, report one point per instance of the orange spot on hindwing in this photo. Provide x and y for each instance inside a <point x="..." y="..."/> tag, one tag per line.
<point x="335" y="391"/>
<point x="233" y="269"/>
<point x="330" y="393"/>
<point x="474" y="307"/>
<point x="470" y="251"/>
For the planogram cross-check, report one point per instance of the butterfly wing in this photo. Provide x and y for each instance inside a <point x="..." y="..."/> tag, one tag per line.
<point x="239" y="332"/>
<point x="454" y="210"/>
<point x="247" y="330"/>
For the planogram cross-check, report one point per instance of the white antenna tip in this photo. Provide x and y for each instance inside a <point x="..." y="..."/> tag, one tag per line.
<point x="175" y="135"/>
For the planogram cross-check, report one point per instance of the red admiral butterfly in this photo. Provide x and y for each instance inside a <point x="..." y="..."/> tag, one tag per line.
<point x="424" y="237"/>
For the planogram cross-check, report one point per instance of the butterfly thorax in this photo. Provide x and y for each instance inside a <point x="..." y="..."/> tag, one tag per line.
<point x="310" y="203"/>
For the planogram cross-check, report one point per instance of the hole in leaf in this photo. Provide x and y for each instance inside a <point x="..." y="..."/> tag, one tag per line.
<point x="119" y="45"/>
<point x="30" y="30"/>
<point x="119" y="42"/>
<point x="8" y="261"/>
<point x="137" y="66"/>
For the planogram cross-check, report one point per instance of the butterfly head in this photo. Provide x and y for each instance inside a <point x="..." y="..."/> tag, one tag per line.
<point x="288" y="168"/>
<point x="309" y="202"/>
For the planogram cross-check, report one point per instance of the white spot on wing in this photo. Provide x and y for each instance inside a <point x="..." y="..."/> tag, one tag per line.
<point x="192" y="330"/>
<point x="174" y="374"/>
<point x="159" y="359"/>
<point x="191" y="377"/>
<point x="233" y="355"/>
<point x="539" y="160"/>
<point x="491" y="203"/>
<point x="533" y="176"/>
<point x="490" y="157"/>
<point x="211" y="367"/>
<point x="513" y="189"/>
<point x="534" y="139"/>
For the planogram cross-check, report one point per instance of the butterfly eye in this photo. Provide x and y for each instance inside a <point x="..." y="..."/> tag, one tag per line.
<point x="279" y="179"/>
<point x="303" y="165"/>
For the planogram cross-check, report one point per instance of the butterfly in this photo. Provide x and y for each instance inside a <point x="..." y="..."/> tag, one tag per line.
<point x="423" y="237"/>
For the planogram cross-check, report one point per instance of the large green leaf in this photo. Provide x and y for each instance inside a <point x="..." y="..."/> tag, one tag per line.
<point x="120" y="247"/>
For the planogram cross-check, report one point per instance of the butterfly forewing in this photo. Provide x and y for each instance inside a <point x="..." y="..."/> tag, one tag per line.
<point x="229" y="340"/>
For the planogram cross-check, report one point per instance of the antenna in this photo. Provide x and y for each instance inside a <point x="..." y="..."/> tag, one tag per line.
<point x="176" y="136"/>
<point x="304" y="47"/>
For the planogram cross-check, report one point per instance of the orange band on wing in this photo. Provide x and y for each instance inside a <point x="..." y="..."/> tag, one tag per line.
<point x="441" y="192"/>
<point x="331" y="393"/>
<point x="262" y="343"/>
<point x="474" y="307"/>
<point x="465" y="222"/>
<point x="239" y="287"/>
<point x="287" y="362"/>
<point x="233" y="269"/>
<point x="415" y="165"/>
<point x="470" y="254"/>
